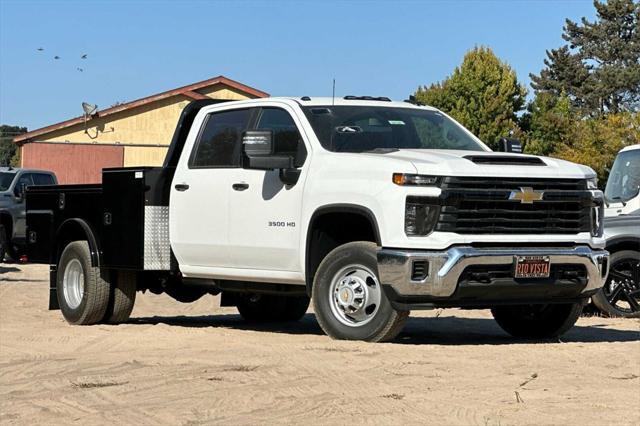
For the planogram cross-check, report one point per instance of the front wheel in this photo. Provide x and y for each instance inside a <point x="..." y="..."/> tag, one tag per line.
<point x="537" y="321"/>
<point x="4" y="243"/>
<point x="620" y="295"/>
<point x="348" y="298"/>
<point x="7" y="248"/>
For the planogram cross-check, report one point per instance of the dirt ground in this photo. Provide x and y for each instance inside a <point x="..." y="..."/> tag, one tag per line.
<point x="198" y="363"/>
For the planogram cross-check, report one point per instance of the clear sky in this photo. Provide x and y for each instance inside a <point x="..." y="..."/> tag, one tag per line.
<point x="138" y="48"/>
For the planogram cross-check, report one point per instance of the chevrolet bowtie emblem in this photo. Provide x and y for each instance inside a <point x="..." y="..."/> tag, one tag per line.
<point x="526" y="195"/>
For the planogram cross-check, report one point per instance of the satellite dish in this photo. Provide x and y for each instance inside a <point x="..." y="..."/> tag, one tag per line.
<point x="89" y="109"/>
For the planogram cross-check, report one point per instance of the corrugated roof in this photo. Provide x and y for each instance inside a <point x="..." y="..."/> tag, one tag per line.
<point x="188" y="91"/>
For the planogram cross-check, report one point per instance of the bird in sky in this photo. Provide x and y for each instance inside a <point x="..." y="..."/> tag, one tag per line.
<point x="56" y="57"/>
<point x="40" y="49"/>
<point x="84" y="56"/>
<point x="80" y="69"/>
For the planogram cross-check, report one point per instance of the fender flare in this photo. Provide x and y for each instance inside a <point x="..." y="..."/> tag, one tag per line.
<point x="94" y="246"/>
<point x="623" y="239"/>
<point x="337" y="208"/>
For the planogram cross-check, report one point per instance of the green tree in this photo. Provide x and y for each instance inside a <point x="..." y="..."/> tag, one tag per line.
<point x="548" y="122"/>
<point x="564" y="74"/>
<point x="9" y="152"/>
<point x="597" y="141"/>
<point x="599" y="68"/>
<point x="483" y="94"/>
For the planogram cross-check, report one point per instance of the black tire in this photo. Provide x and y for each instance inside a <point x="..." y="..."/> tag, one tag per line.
<point x="271" y="307"/>
<point x="295" y="308"/>
<point x="14" y="252"/>
<point x="622" y="286"/>
<point x="94" y="299"/>
<point x="7" y="248"/>
<point x="262" y="307"/>
<point x="123" y="297"/>
<point x="3" y="242"/>
<point x="384" y="322"/>
<point x="184" y="294"/>
<point x="537" y="321"/>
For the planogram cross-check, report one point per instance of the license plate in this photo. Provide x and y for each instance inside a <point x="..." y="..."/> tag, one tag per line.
<point x="532" y="267"/>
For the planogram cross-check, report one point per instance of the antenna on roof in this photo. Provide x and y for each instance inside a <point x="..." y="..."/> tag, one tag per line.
<point x="333" y="96"/>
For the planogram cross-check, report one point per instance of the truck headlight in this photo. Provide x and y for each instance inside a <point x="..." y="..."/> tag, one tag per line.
<point x="592" y="183"/>
<point x="420" y="215"/>
<point x="405" y="179"/>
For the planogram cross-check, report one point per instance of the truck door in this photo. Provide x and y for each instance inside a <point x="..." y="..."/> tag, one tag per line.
<point x="19" y="210"/>
<point x="199" y="210"/>
<point x="264" y="213"/>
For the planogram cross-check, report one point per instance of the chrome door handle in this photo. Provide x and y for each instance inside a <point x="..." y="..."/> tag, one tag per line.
<point x="181" y="187"/>
<point x="240" y="186"/>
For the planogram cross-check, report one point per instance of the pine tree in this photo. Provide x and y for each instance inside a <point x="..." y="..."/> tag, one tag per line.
<point x="564" y="74"/>
<point x="599" y="69"/>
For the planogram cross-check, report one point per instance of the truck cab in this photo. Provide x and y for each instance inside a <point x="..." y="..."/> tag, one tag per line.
<point x="369" y="206"/>
<point x="13" y="182"/>
<point x="620" y="295"/>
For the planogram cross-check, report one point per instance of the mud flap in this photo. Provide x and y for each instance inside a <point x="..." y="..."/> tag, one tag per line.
<point x="53" y="290"/>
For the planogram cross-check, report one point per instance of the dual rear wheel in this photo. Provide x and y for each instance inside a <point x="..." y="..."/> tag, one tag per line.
<point x="87" y="295"/>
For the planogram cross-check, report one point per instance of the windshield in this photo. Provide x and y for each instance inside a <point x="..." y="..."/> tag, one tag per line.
<point x="624" y="180"/>
<point x="5" y="180"/>
<point x="364" y="128"/>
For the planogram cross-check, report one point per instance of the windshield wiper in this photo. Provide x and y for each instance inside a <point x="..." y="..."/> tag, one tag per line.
<point x="617" y="199"/>
<point x="381" y="150"/>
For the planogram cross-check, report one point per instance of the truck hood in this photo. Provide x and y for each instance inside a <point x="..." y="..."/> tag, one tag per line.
<point x="497" y="164"/>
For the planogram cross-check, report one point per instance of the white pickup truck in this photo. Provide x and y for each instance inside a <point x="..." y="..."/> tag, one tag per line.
<point x="620" y="295"/>
<point x="369" y="207"/>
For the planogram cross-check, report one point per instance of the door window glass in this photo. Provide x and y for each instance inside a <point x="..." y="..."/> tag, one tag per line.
<point x="220" y="142"/>
<point x="5" y="180"/>
<point x="23" y="181"/>
<point x="624" y="179"/>
<point x="286" y="137"/>
<point x="42" y="179"/>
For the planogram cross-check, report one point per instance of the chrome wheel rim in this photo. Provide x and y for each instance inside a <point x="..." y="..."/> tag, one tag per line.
<point x="73" y="283"/>
<point x="354" y="295"/>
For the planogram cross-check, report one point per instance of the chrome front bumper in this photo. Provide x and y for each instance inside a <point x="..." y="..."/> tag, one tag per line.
<point x="446" y="267"/>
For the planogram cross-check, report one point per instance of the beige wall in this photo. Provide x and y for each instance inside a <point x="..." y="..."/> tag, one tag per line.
<point x="152" y="124"/>
<point x="219" y="91"/>
<point x="143" y="156"/>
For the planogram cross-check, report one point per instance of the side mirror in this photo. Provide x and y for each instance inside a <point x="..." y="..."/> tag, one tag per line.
<point x="19" y="191"/>
<point x="257" y="143"/>
<point x="257" y="147"/>
<point x="510" y="145"/>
